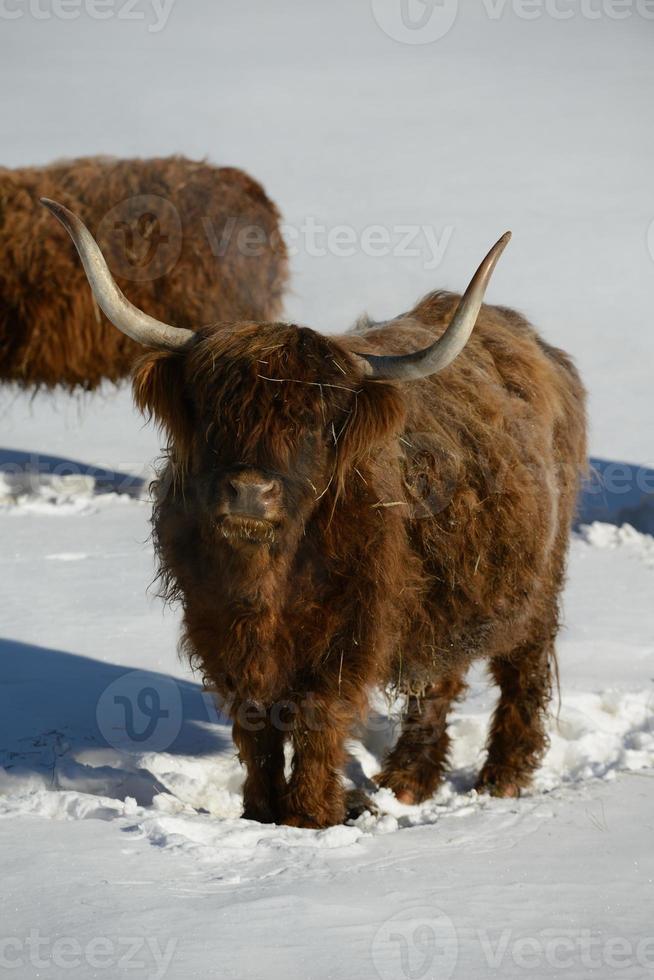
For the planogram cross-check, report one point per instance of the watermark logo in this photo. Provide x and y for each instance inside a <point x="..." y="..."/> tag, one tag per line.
<point x="415" y="21"/>
<point x="140" y="712"/>
<point x="416" y="944"/>
<point x="141" y="237"/>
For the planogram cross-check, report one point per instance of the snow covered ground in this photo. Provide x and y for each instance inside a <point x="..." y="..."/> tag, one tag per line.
<point x="121" y="823"/>
<point x="121" y="850"/>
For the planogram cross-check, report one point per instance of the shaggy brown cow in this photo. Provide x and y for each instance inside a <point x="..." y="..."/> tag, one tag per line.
<point x="191" y="242"/>
<point x="336" y="514"/>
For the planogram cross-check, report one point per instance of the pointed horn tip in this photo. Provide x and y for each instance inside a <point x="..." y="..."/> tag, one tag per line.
<point x="59" y="211"/>
<point x="497" y="249"/>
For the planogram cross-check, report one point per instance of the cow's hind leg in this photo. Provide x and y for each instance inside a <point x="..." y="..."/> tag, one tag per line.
<point x="415" y="767"/>
<point x="518" y="738"/>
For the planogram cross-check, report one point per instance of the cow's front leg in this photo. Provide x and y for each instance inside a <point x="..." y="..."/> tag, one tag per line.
<point x="316" y="797"/>
<point x="260" y="745"/>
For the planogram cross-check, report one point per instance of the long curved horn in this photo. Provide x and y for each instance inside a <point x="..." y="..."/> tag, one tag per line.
<point x="440" y="354"/>
<point x="116" y="307"/>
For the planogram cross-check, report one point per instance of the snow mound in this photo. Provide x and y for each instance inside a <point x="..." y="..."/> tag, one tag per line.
<point x="29" y="492"/>
<point x="602" y="535"/>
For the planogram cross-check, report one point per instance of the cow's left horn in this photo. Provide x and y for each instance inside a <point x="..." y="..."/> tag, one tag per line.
<point x="440" y="354"/>
<point x="116" y="307"/>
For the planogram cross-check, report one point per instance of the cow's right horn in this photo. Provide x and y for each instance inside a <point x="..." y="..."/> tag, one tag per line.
<point x="440" y="354"/>
<point x="116" y="307"/>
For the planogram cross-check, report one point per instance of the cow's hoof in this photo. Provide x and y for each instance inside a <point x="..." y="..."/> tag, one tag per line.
<point x="501" y="788"/>
<point x="357" y="803"/>
<point x="406" y="796"/>
<point x="303" y="820"/>
<point x="260" y="814"/>
<point x="407" y="789"/>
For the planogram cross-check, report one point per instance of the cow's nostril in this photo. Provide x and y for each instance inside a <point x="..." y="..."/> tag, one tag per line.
<point x="246" y="493"/>
<point x="268" y="489"/>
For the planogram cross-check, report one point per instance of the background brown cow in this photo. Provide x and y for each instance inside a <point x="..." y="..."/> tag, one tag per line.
<point x="192" y="242"/>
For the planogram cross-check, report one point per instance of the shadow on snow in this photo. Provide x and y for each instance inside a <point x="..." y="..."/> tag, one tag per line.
<point x="25" y="472"/>
<point x="73" y="722"/>
<point x="618" y="493"/>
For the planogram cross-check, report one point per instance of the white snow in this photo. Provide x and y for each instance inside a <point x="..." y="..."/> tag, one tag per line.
<point x="171" y="855"/>
<point x="129" y="859"/>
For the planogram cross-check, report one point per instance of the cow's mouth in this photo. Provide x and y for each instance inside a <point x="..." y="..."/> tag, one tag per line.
<point x="252" y="530"/>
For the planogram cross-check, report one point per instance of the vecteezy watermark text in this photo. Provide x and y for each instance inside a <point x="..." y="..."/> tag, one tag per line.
<point x="119" y="955"/>
<point x="423" y="942"/>
<point x="142" y="237"/>
<point x="154" y="13"/>
<point x="567" y="9"/>
<point x="318" y="240"/>
<point x="564" y="949"/>
<point x="426" y="21"/>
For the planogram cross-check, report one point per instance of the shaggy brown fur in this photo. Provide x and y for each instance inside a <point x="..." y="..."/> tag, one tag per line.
<point x="414" y="529"/>
<point x="52" y="333"/>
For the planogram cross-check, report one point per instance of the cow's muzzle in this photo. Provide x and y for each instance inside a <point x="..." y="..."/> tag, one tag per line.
<point x="249" y="507"/>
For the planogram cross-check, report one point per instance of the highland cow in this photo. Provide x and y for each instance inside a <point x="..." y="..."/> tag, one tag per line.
<point x="377" y="508"/>
<point x="192" y="242"/>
